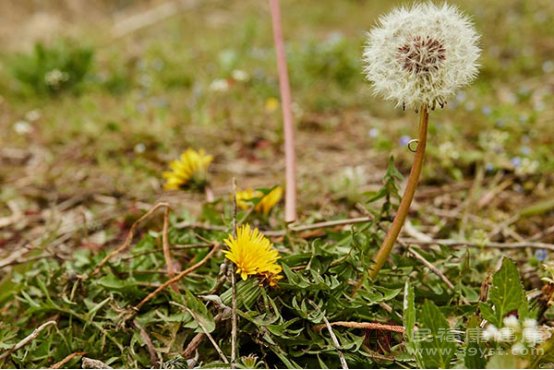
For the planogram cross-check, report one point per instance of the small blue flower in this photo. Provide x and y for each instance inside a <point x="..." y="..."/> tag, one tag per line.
<point x="489" y="167"/>
<point x="541" y="254"/>
<point x="373" y="133"/>
<point x="525" y="150"/>
<point x="486" y="110"/>
<point x="404" y="140"/>
<point x="516" y="161"/>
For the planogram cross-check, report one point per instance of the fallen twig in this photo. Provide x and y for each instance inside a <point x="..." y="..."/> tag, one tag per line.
<point x="191" y="348"/>
<point x="484" y="244"/>
<point x="332" y="223"/>
<point x="196" y="225"/>
<point x="336" y="343"/>
<point x="151" y="16"/>
<point x="431" y="267"/>
<point x="15" y="259"/>
<point x="193" y="345"/>
<point x="89" y="363"/>
<point x="177" y="277"/>
<point x="154" y="360"/>
<point x="276" y="233"/>
<point x="207" y="333"/>
<point x="28" y="339"/>
<point x="129" y="238"/>
<point x="319" y="225"/>
<point x="437" y="272"/>
<point x="363" y="325"/>
<point x="67" y="358"/>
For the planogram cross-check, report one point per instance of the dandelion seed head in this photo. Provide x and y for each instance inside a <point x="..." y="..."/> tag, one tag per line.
<point x="421" y="55"/>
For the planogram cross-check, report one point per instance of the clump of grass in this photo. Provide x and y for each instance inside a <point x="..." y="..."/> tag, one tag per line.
<point x="53" y="69"/>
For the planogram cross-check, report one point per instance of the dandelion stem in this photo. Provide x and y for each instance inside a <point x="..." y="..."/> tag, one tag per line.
<point x="400" y="218"/>
<point x="286" y="103"/>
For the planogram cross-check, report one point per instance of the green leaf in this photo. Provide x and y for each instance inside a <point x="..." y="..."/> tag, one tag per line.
<point x="203" y="317"/>
<point x="248" y="292"/>
<point x="437" y="346"/>
<point x="295" y="279"/>
<point x="488" y="313"/>
<point x="507" y="293"/>
<point x="474" y="354"/>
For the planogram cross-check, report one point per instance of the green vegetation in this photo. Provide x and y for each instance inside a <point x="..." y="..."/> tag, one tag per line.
<point x="82" y="160"/>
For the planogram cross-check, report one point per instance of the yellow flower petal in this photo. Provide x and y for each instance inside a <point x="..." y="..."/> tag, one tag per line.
<point x="191" y="166"/>
<point x="252" y="253"/>
<point x="265" y="204"/>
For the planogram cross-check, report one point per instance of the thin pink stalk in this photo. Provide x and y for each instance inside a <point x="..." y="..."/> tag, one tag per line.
<point x="286" y="103"/>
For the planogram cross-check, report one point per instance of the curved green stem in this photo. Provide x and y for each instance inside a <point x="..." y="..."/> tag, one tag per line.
<point x="400" y="218"/>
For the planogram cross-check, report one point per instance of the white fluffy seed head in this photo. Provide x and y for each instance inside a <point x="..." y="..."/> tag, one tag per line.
<point x="421" y="55"/>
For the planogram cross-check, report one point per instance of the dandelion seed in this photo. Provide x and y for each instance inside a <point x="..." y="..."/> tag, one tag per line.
<point x="421" y="55"/>
<point x="252" y="253"/>
<point x="266" y="201"/>
<point x="189" y="170"/>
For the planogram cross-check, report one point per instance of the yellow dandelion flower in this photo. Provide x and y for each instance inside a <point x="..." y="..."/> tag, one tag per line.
<point x="266" y="202"/>
<point x="190" y="169"/>
<point x="253" y="254"/>
<point x="271" y="105"/>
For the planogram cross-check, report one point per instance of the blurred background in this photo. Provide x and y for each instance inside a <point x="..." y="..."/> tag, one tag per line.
<point x="97" y="96"/>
